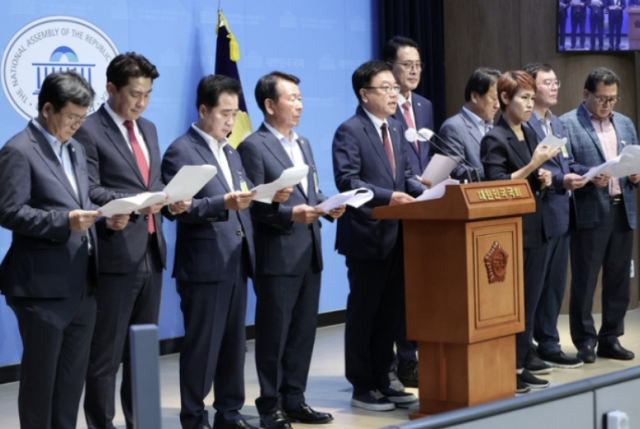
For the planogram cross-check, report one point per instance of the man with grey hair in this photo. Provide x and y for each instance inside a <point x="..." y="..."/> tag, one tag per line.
<point x="605" y="219"/>
<point x="49" y="274"/>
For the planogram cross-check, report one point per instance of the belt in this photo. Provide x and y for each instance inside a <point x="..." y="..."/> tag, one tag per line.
<point x="616" y="199"/>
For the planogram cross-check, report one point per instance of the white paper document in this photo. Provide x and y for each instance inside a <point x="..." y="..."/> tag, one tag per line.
<point x="437" y="191"/>
<point x="289" y="177"/>
<point x="184" y="185"/>
<point x="354" y="198"/>
<point x="439" y="168"/>
<point x="553" y="141"/>
<point x="625" y="164"/>
<point x="188" y="182"/>
<point x="130" y="204"/>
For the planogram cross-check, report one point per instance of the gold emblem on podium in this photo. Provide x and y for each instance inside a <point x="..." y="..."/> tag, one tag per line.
<point x="496" y="263"/>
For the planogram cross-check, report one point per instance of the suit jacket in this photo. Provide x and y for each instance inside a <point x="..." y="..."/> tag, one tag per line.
<point x="283" y="247"/>
<point x="209" y="237"/>
<point x="503" y="154"/>
<point x="463" y="136"/>
<point x="359" y="161"/>
<point x="113" y="173"/>
<point x="591" y="203"/>
<point x="555" y="203"/>
<point x="579" y="12"/>
<point x="46" y="259"/>
<point x="597" y="12"/>
<point x="621" y="3"/>
<point x="423" y="113"/>
<point x="562" y="11"/>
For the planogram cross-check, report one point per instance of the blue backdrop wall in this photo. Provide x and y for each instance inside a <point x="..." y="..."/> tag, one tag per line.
<point x="321" y="42"/>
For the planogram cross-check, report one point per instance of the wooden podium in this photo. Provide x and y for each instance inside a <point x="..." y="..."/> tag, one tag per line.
<point x="464" y="297"/>
<point x="633" y="30"/>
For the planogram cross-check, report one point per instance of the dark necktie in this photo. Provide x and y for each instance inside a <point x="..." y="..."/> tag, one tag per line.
<point x="387" y="147"/>
<point x="142" y="164"/>
<point x="407" y="117"/>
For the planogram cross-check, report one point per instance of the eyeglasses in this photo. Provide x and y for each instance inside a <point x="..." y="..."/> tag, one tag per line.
<point x="551" y="83"/>
<point x="408" y="65"/>
<point x="386" y="88"/>
<point x="75" y="121"/>
<point x="602" y="100"/>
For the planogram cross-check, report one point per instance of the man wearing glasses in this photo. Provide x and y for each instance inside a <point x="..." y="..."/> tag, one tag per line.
<point x="566" y="177"/>
<point x="415" y="112"/>
<point x="369" y="150"/>
<point x="605" y="218"/>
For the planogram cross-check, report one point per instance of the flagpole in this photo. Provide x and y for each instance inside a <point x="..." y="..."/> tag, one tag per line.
<point x="219" y="5"/>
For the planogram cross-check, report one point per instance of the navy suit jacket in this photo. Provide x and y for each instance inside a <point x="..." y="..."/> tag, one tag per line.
<point x="283" y="247"/>
<point x="463" y="136"/>
<point x="555" y="203"/>
<point x="423" y="114"/>
<point x="359" y="161"/>
<point x="592" y="204"/>
<point x="622" y="4"/>
<point x="209" y="237"/>
<point x="562" y="11"/>
<point x="113" y="173"/>
<point x="46" y="259"/>
<point x="503" y="154"/>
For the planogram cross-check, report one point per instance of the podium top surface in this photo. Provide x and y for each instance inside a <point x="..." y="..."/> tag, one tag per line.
<point x="468" y="202"/>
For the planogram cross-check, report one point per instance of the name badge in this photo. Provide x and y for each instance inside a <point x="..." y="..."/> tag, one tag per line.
<point x="565" y="152"/>
<point x="315" y="179"/>
<point x="243" y="186"/>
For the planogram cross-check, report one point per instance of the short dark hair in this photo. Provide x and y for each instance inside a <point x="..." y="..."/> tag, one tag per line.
<point x="513" y="80"/>
<point x="390" y="49"/>
<point x="480" y="81"/>
<point x="128" y="65"/>
<point x="210" y="88"/>
<point x="267" y="87"/>
<point x="601" y="74"/>
<point x="365" y="73"/>
<point x="63" y="87"/>
<point x="534" y="68"/>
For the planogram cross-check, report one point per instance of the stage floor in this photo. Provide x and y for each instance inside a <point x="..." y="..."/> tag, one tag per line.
<point x="328" y="390"/>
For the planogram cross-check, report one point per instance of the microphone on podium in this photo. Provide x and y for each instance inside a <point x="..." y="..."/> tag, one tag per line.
<point x="425" y="134"/>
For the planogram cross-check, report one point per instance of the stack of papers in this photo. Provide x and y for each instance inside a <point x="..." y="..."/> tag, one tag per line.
<point x="185" y="184"/>
<point x="437" y="191"/>
<point x="553" y="141"/>
<point x="354" y="198"/>
<point x="625" y="164"/>
<point x="289" y="177"/>
<point x="439" y="168"/>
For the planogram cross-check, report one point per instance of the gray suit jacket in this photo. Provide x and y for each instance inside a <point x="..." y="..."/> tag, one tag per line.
<point x="592" y="204"/>
<point x="463" y="137"/>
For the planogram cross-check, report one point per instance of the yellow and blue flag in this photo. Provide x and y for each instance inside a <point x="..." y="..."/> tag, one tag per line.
<point x="227" y="55"/>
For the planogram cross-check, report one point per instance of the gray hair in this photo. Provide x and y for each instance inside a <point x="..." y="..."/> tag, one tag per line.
<point x="63" y="87"/>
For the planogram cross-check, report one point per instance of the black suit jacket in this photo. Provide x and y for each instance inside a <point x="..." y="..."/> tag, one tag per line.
<point x="209" y="237"/>
<point x="283" y="247"/>
<point x="113" y="173"/>
<point x="46" y="259"/>
<point x="503" y="154"/>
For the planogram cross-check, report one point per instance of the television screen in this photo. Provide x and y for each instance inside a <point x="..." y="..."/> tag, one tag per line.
<point x="598" y="25"/>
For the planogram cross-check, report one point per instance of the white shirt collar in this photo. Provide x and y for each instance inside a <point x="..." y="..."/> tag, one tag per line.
<point x="116" y="118"/>
<point x="377" y="122"/>
<point x="293" y="137"/>
<point x="209" y="139"/>
<point x="402" y="100"/>
<point x="50" y="138"/>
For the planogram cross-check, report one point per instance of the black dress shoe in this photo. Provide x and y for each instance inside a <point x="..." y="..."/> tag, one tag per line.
<point x="240" y="424"/>
<point x="306" y="414"/>
<point x="408" y="375"/>
<point x="587" y="354"/>
<point x="615" y="351"/>
<point x="275" y="420"/>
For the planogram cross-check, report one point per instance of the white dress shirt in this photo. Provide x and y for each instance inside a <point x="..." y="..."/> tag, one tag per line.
<point x="217" y="147"/>
<point x="292" y="148"/>
<point x="125" y="133"/>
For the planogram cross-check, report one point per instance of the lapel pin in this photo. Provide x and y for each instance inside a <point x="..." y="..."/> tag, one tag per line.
<point x="624" y="143"/>
<point x="419" y="104"/>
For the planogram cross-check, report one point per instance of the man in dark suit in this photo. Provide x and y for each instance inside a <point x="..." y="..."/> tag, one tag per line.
<point x="563" y="5"/>
<point x="615" y="8"/>
<point x="369" y="150"/>
<point x="464" y="130"/>
<point x="578" y="19"/>
<point x="566" y="177"/>
<point x="596" y="23"/>
<point x="415" y="112"/>
<point x="123" y="160"/>
<point x="288" y="256"/>
<point x="214" y="256"/>
<point x="605" y="220"/>
<point x="49" y="273"/>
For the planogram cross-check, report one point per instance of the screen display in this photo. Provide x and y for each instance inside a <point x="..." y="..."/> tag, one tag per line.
<point x="598" y="25"/>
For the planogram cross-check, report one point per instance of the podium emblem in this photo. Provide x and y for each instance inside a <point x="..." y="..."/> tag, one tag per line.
<point x="496" y="262"/>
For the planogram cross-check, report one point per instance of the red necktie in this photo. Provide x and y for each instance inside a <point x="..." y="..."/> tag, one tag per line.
<point x="407" y="117"/>
<point x="142" y="164"/>
<point x="387" y="147"/>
